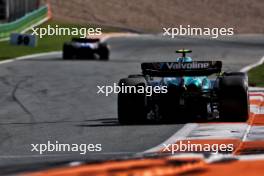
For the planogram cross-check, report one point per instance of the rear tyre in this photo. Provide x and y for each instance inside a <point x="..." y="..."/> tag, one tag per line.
<point x="233" y="97"/>
<point x="132" y="107"/>
<point x="103" y="51"/>
<point x="67" y="52"/>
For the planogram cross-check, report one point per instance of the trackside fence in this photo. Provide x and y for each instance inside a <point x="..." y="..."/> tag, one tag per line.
<point x="25" y="22"/>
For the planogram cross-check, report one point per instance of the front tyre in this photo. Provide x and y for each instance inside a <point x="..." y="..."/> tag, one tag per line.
<point x="103" y="51"/>
<point x="67" y="52"/>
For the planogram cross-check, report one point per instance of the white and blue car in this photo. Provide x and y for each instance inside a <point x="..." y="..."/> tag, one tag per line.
<point x="86" y="48"/>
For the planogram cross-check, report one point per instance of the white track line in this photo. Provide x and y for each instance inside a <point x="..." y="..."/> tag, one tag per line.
<point x="179" y="135"/>
<point x="258" y="98"/>
<point x="253" y="109"/>
<point x="256" y="109"/>
<point x="256" y="89"/>
<point x="214" y="131"/>
<point x="31" y="56"/>
<point x="116" y="35"/>
<point x="249" y="67"/>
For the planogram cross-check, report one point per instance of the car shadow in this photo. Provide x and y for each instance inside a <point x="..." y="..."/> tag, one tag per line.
<point x="104" y="122"/>
<point x="100" y="122"/>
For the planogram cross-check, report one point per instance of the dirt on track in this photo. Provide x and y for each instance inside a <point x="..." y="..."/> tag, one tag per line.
<point x="150" y="16"/>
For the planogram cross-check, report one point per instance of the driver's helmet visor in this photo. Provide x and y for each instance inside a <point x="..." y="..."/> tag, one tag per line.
<point x="184" y="59"/>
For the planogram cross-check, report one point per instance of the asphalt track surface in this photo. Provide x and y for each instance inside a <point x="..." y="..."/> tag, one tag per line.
<point x="48" y="99"/>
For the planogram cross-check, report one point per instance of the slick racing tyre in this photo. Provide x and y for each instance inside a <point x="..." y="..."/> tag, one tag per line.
<point x="67" y="52"/>
<point x="103" y="51"/>
<point x="233" y="97"/>
<point x="132" y="106"/>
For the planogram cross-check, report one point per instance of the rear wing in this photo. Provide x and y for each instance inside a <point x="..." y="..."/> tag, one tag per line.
<point x="86" y="40"/>
<point x="172" y="69"/>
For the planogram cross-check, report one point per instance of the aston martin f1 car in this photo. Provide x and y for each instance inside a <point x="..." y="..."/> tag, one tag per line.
<point x="85" y="48"/>
<point x="195" y="90"/>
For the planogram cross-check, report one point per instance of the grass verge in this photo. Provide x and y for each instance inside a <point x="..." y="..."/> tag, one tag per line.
<point x="256" y="76"/>
<point x="45" y="44"/>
